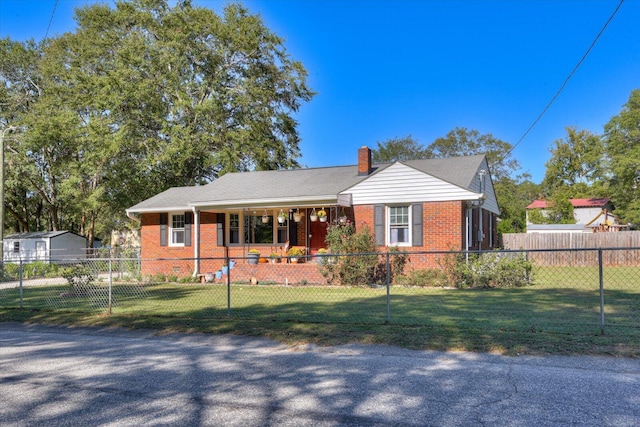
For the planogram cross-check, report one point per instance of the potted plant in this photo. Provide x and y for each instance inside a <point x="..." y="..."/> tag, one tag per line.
<point x="253" y="255"/>
<point x="343" y="217"/>
<point x="282" y="217"/>
<point x="274" y="258"/>
<point x="322" y="252"/>
<point x="322" y="215"/>
<point x="313" y="216"/>
<point x="225" y="269"/>
<point x="297" y="216"/>
<point x="294" y="255"/>
<point x="265" y="217"/>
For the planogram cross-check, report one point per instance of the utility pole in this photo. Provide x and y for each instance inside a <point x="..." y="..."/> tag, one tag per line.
<point x="2" y="134"/>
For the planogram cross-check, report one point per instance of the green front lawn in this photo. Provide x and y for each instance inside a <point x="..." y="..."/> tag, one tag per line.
<point x="560" y="314"/>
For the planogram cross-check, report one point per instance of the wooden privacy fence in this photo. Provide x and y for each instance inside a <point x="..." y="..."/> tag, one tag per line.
<point x="620" y="248"/>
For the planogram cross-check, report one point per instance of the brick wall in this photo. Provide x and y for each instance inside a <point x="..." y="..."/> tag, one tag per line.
<point x="443" y="225"/>
<point x="443" y="230"/>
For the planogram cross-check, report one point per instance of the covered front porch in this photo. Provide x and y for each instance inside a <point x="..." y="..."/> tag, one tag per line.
<point x="268" y="231"/>
<point x="257" y="237"/>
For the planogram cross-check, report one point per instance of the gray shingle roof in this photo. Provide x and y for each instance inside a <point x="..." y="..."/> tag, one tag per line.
<point x="282" y="186"/>
<point x="36" y="235"/>
<point x="175" y="198"/>
<point x="460" y="171"/>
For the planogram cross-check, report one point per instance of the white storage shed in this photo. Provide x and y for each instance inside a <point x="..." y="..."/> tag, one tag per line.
<point x="47" y="246"/>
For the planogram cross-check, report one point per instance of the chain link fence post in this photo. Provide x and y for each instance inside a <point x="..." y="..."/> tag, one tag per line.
<point x="20" y="281"/>
<point x="227" y="261"/>
<point x="110" y="284"/>
<point x="388" y="280"/>
<point x="600" y="278"/>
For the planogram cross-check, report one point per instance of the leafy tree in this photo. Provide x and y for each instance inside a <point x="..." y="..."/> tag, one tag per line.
<point x="20" y="89"/>
<point x="146" y="96"/>
<point x="576" y="166"/>
<point x="559" y="211"/>
<point x="464" y="142"/>
<point x="622" y="144"/>
<point x="514" y="195"/>
<point x="396" y="149"/>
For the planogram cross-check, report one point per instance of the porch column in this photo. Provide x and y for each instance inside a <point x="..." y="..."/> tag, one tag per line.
<point x="196" y="242"/>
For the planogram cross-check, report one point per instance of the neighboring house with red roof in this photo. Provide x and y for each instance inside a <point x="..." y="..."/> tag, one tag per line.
<point x="591" y="214"/>
<point x="419" y="205"/>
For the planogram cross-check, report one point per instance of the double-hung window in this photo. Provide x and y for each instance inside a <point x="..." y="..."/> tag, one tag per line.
<point x="399" y="222"/>
<point x="234" y="228"/>
<point x="177" y="230"/>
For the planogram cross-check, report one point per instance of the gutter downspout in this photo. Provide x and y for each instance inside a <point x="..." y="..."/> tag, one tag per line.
<point x="196" y="242"/>
<point x="466" y="231"/>
<point x="481" y="175"/>
<point x="131" y="216"/>
<point x="470" y="205"/>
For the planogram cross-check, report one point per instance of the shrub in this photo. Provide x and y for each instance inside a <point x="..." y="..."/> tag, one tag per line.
<point x="488" y="270"/>
<point x="10" y="271"/>
<point x="79" y="277"/>
<point x="427" y="277"/>
<point x="39" y="269"/>
<point x="398" y="262"/>
<point x="360" y="265"/>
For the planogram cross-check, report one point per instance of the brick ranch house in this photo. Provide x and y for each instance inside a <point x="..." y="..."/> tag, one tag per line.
<point x="419" y="205"/>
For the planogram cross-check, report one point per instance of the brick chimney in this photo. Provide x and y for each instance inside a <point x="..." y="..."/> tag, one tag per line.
<point x="364" y="161"/>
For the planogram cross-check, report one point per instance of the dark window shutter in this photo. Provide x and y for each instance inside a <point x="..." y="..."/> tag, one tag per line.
<point x="188" y="220"/>
<point x="378" y="224"/>
<point x="293" y="233"/>
<point x="416" y="225"/>
<point x="220" y="229"/>
<point x="164" y="218"/>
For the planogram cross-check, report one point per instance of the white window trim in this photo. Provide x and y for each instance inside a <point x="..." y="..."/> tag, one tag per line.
<point x="170" y="230"/>
<point x="387" y="226"/>
<point x="240" y="227"/>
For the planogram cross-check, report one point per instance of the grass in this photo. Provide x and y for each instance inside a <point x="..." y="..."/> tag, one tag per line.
<point x="559" y="315"/>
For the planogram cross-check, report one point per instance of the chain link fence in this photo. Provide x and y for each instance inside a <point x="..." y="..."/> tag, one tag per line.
<point x="559" y="291"/>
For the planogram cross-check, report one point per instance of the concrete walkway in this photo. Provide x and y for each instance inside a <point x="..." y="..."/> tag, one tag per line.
<point x="53" y="376"/>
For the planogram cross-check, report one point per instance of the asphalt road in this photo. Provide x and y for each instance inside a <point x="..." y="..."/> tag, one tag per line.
<point x="53" y="376"/>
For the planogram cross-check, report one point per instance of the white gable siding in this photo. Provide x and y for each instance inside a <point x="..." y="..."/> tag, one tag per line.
<point x="402" y="184"/>
<point x="586" y="215"/>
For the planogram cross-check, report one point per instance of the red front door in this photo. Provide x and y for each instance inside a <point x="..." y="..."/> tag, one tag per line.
<point x="318" y="232"/>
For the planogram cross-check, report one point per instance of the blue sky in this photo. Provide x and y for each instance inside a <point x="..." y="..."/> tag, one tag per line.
<point x="386" y="69"/>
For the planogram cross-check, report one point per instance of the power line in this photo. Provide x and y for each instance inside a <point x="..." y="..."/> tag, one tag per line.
<point x="51" y="19"/>
<point x="535" y="122"/>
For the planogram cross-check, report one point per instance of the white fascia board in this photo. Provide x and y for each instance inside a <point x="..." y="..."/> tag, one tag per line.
<point x="158" y="210"/>
<point x="307" y="201"/>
